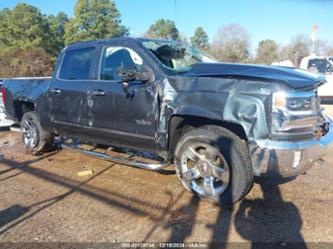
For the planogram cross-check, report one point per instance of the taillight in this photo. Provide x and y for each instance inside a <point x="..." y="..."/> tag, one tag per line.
<point x="3" y="94"/>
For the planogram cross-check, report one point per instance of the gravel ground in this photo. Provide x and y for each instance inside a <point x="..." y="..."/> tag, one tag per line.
<point x="43" y="199"/>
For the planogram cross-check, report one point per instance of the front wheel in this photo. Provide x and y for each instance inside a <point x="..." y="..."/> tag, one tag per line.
<point x="213" y="162"/>
<point x="35" y="138"/>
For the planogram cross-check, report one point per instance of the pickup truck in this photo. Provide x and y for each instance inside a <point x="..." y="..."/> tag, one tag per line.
<point x="324" y="66"/>
<point x="218" y="124"/>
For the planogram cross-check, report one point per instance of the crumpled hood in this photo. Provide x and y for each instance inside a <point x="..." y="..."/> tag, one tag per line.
<point x="293" y="77"/>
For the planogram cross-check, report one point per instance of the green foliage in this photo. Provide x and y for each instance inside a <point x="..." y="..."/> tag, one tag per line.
<point x="30" y="41"/>
<point x="94" y="19"/>
<point x="29" y="37"/>
<point x="163" y="29"/>
<point x="26" y="62"/>
<point x="267" y="52"/>
<point x="200" y="39"/>
<point x="23" y="27"/>
<point x="55" y="39"/>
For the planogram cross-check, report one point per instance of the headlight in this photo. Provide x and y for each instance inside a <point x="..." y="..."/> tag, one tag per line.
<point x="296" y="103"/>
<point x="296" y="113"/>
<point x="279" y="101"/>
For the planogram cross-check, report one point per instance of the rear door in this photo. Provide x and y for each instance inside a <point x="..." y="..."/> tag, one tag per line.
<point x="69" y="102"/>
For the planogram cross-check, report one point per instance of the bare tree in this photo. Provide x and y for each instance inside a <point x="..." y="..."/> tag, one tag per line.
<point x="27" y="62"/>
<point x="267" y="52"/>
<point x="299" y="48"/>
<point x="324" y="48"/>
<point x="330" y="52"/>
<point x="232" y="44"/>
<point x="184" y="39"/>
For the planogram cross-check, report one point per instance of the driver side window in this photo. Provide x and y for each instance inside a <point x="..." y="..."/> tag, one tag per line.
<point x="115" y="58"/>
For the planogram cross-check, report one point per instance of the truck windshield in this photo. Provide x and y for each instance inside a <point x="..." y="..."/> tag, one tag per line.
<point x="175" y="55"/>
<point x="318" y="65"/>
<point x="322" y="66"/>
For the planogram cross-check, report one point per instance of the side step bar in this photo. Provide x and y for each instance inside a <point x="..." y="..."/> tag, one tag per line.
<point x="127" y="161"/>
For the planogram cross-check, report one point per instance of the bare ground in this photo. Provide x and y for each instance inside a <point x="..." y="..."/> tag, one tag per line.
<point x="43" y="199"/>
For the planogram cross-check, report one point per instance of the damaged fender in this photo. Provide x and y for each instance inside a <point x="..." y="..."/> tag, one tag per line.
<point x="245" y="102"/>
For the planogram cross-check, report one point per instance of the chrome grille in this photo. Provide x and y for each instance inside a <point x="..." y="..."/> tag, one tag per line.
<point x="300" y="118"/>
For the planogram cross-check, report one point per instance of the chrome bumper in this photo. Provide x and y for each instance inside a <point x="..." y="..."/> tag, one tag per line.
<point x="287" y="159"/>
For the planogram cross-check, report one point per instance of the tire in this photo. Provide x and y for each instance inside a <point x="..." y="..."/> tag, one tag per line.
<point x="35" y="138"/>
<point x="214" y="163"/>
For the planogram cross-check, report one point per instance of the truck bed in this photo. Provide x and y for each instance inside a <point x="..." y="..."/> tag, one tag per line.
<point x="24" y="89"/>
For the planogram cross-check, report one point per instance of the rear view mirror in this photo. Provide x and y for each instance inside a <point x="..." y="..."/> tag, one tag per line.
<point x="133" y="74"/>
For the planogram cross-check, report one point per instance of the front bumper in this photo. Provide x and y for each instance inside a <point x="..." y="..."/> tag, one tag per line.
<point x="286" y="158"/>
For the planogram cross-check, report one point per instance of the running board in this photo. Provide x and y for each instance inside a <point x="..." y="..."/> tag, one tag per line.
<point x="126" y="161"/>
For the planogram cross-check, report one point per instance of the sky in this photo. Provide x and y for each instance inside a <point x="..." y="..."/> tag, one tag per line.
<point x="279" y="20"/>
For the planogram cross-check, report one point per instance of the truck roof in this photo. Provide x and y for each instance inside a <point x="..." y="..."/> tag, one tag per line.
<point x="116" y="39"/>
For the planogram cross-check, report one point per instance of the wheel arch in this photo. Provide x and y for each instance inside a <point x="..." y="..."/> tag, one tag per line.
<point x="180" y="124"/>
<point x="22" y="107"/>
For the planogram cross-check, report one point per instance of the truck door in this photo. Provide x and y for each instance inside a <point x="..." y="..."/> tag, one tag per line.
<point x="67" y="94"/>
<point x="125" y="116"/>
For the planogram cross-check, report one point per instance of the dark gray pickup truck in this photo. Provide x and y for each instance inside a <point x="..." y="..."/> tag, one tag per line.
<point x="219" y="124"/>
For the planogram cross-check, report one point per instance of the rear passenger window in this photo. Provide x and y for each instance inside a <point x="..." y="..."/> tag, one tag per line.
<point x="77" y="64"/>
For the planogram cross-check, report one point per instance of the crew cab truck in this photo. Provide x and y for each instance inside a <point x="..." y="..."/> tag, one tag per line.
<point x="219" y="124"/>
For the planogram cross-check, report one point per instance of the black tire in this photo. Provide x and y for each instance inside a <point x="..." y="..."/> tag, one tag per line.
<point x="232" y="154"/>
<point x="30" y="127"/>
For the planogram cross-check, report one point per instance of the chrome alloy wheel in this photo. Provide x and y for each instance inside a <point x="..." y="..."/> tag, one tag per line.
<point x="204" y="170"/>
<point x="30" y="135"/>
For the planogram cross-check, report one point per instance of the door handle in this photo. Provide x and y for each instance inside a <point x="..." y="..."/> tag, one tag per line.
<point x="56" y="91"/>
<point x="98" y="93"/>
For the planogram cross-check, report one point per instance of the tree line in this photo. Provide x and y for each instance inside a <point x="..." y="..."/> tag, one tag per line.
<point x="233" y="44"/>
<point x="30" y="40"/>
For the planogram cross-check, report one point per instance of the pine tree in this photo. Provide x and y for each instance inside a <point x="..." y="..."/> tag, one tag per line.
<point x="94" y="19"/>
<point x="200" y="39"/>
<point x="163" y="29"/>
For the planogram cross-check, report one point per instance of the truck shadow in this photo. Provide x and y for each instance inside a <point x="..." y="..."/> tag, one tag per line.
<point x="263" y="220"/>
<point x="12" y="213"/>
<point x="270" y="219"/>
<point x="267" y="222"/>
<point x="15" y="215"/>
<point x="182" y="227"/>
<point x="4" y="128"/>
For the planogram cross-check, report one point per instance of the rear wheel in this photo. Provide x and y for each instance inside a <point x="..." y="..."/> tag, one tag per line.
<point x="214" y="163"/>
<point x="34" y="137"/>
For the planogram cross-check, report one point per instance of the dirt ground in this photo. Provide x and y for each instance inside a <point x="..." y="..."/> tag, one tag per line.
<point x="43" y="199"/>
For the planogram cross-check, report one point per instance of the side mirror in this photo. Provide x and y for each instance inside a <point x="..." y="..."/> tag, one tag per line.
<point x="134" y="74"/>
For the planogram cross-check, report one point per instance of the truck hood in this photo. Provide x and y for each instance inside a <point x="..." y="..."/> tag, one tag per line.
<point x="292" y="77"/>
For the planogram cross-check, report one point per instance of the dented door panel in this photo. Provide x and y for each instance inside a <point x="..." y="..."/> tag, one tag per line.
<point x="121" y="117"/>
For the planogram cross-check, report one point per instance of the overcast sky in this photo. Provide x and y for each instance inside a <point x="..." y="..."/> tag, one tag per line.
<point x="273" y="19"/>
